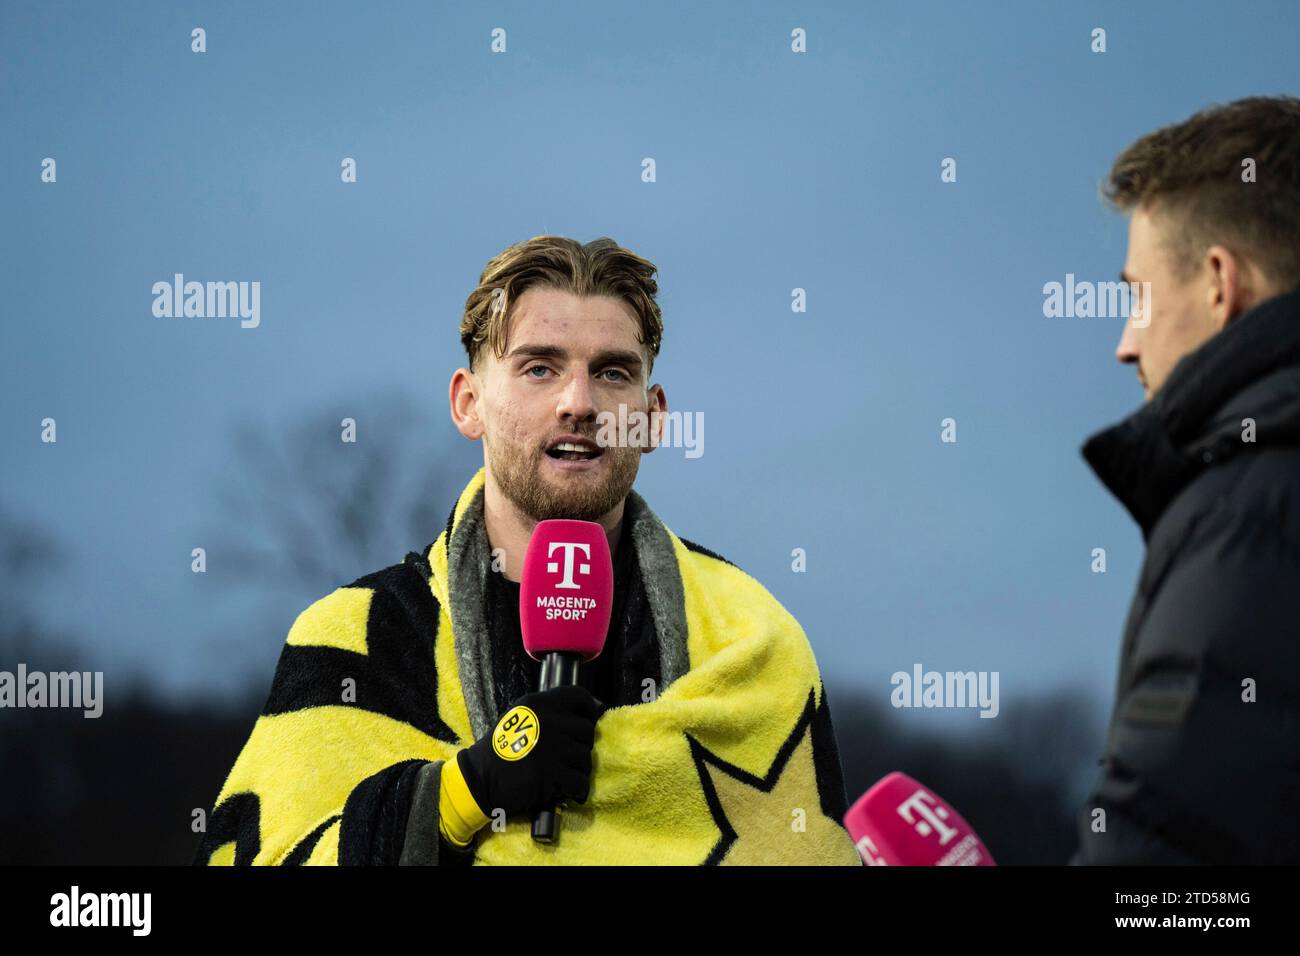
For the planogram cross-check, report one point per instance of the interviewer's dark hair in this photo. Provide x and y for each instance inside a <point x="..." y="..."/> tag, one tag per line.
<point x="601" y="267"/>
<point x="1190" y="175"/>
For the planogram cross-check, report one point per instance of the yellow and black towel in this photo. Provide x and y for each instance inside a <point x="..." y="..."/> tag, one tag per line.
<point x="733" y="761"/>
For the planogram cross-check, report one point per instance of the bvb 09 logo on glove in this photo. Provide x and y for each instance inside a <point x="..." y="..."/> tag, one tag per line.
<point x="516" y="733"/>
<point x="495" y="768"/>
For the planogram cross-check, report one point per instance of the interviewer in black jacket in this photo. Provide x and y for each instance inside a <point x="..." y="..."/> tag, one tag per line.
<point x="1202" y="758"/>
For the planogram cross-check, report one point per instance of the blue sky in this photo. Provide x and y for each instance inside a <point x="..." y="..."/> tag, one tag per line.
<point x="775" y="171"/>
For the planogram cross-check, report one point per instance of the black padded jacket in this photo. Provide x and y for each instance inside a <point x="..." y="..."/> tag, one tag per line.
<point x="1202" y="756"/>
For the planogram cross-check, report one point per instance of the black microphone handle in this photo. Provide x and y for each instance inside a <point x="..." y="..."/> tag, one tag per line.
<point x="559" y="669"/>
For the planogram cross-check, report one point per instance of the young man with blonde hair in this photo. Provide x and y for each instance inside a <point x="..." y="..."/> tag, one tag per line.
<point x="701" y="734"/>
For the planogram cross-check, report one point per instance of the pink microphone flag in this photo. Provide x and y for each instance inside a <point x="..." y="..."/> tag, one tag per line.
<point x="898" y="822"/>
<point x="567" y="588"/>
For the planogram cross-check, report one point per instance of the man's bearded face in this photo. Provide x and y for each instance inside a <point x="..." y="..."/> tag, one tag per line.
<point x="542" y="488"/>
<point x="534" y="400"/>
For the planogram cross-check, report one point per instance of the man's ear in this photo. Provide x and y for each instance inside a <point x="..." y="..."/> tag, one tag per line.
<point x="1228" y="293"/>
<point x="657" y="409"/>
<point x="463" y="396"/>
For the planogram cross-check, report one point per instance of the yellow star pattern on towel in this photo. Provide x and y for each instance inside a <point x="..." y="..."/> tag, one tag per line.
<point x="767" y="829"/>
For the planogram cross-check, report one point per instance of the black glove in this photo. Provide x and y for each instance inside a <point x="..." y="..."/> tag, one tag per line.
<point x="538" y="755"/>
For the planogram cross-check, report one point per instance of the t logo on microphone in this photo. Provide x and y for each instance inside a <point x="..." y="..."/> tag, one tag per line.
<point x="932" y="819"/>
<point x="898" y="822"/>
<point x="569" y="548"/>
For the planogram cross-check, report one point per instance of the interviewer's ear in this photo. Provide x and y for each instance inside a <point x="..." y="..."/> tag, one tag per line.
<point x="1225" y="290"/>
<point x="463" y="396"/>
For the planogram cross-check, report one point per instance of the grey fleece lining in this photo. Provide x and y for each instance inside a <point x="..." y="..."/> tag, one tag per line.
<point x="661" y="579"/>
<point x="468" y="563"/>
<point x="420" y="848"/>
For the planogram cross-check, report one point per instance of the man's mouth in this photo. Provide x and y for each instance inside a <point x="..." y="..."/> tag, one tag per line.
<point x="577" y="449"/>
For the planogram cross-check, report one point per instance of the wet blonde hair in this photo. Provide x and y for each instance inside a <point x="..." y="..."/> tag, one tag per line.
<point x="601" y="267"/>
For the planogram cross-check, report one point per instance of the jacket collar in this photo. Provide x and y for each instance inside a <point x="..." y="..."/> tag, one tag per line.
<point x="1250" y="369"/>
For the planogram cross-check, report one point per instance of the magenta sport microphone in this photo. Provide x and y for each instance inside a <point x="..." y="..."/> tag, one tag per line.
<point x="898" y="822"/>
<point x="566" y="593"/>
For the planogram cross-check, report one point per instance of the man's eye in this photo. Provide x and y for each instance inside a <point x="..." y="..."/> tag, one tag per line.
<point x="534" y="369"/>
<point x="621" y="376"/>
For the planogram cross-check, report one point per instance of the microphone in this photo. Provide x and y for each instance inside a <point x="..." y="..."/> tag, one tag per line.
<point x="898" y="822"/>
<point x="566" y="593"/>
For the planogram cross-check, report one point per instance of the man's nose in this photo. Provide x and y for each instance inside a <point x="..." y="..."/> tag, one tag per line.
<point x="1127" y="350"/>
<point x="575" y="398"/>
